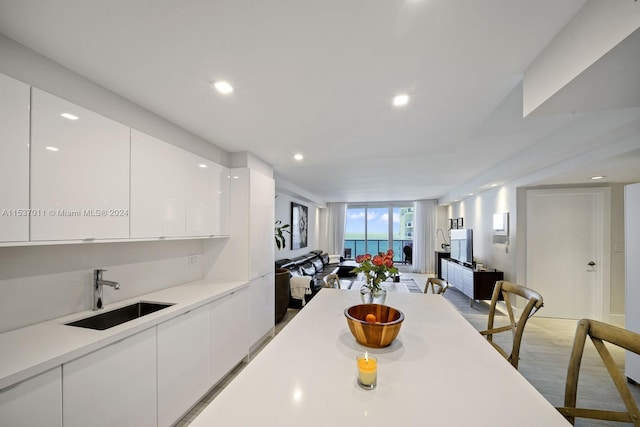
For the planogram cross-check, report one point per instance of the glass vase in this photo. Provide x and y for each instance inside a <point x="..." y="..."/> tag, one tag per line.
<point x="377" y="296"/>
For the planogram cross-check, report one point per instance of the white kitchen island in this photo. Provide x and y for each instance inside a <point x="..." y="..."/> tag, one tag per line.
<point x="438" y="372"/>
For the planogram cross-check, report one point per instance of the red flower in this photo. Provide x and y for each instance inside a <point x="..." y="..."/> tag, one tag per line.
<point x="376" y="269"/>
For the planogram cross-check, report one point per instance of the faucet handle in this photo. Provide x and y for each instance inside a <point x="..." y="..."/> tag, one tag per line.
<point x="97" y="273"/>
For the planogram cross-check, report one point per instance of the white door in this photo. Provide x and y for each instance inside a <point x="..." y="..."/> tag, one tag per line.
<point x="565" y="233"/>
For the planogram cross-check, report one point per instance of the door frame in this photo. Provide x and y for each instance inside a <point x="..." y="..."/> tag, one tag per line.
<point x="603" y="239"/>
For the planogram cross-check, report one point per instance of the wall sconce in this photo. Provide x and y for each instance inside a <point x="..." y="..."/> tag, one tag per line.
<point x="445" y="246"/>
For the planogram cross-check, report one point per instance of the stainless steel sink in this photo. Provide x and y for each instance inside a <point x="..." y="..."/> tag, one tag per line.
<point x="119" y="316"/>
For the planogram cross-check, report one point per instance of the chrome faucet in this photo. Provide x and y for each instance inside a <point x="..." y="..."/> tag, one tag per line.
<point x="98" y="282"/>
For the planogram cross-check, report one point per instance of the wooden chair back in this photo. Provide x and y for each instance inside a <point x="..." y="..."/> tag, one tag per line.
<point x="331" y="281"/>
<point x="438" y="286"/>
<point x="534" y="303"/>
<point x="600" y="333"/>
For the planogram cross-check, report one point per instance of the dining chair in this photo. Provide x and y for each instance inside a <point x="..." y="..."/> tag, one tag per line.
<point x="438" y="286"/>
<point x="408" y="254"/>
<point x="600" y="333"/>
<point x="505" y="290"/>
<point x="331" y="281"/>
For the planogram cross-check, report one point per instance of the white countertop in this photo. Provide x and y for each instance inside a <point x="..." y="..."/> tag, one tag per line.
<point x="28" y="351"/>
<point x="439" y="372"/>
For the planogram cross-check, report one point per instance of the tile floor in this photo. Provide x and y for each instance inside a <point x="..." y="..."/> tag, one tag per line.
<point x="544" y="359"/>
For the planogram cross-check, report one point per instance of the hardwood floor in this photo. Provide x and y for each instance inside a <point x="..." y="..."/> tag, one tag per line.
<point x="546" y="347"/>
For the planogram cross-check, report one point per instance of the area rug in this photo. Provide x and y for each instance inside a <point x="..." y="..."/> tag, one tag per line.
<point x="405" y="285"/>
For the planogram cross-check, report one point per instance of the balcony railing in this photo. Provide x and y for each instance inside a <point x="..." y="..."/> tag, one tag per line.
<point x="353" y="248"/>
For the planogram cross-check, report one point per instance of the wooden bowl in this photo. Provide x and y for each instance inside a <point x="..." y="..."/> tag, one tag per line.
<point x="380" y="334"/>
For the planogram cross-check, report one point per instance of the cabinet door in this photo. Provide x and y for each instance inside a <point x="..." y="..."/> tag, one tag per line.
<point x="228" y="341"/>
<point x="261" y="219"/>
<point x="113" y="386"/>
<point x="183" y="364"/>
<point x="14" y="160"/>
<point x="34" y="402"/>
<point x="454" y="276"/>
<point x="158" y="179"/>
<point x="207" y="197"/>
<point x="261" y="307"/>
<point x="444" y="269"/>
<point x="79" y="172"/>
<point x="467" y="282"/>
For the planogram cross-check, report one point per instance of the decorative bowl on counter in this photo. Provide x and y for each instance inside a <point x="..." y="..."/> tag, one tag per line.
<point x="374" y="325"/>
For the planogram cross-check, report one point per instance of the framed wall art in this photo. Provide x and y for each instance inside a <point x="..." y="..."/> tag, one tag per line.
<point x="299" y="224"/>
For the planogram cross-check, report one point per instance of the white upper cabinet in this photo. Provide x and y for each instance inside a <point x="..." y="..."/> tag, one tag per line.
<point x="207" y="197"/>
<point x="14" y="160"/>
<point x="79" y="172"/>
<point x="158" y="180"/>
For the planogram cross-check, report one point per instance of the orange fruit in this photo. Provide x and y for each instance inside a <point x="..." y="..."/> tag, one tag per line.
<point x="370" y="318"/>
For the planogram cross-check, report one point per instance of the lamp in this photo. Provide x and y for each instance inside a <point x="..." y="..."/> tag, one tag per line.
<point x="446" y="246"/>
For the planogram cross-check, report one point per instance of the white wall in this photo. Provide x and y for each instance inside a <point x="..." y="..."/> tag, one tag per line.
<point x="617" y="250"/>
<point x="43" y="282"/>
<point x="477" y="212"/>
<point x="283" y="213"/>
<point x="509" y="257"/>
<point x="38" y="283"/>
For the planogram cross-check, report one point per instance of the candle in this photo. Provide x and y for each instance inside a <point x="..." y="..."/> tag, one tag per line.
<point x="367" y="371"/>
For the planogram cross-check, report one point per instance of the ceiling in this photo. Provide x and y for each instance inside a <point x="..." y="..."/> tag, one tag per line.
<point x="317" y="78"/>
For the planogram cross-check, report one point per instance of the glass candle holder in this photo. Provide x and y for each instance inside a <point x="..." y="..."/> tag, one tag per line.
<point x="367" y="371"/>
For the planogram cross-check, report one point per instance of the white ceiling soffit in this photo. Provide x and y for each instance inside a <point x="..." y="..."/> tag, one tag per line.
<point x="611" y="82"/>
<point x="591" y="64"/>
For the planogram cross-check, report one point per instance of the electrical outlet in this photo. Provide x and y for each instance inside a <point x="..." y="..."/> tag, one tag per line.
<point x="194" y="259"/>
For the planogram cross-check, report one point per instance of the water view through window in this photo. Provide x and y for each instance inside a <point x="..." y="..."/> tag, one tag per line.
<point x="373" y="229"/>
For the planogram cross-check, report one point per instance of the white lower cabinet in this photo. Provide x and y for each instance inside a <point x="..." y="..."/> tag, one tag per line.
<point x="113" y="386"/>
<point x="228" y="328"/>
<point x="183" y="364"/>
<point x="33" y="402"/>
<point x="261" y="307"/>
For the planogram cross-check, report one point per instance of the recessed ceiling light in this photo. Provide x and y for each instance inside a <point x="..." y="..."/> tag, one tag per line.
<point x="202" y="165"/>
<point x="223" y="87"/>
<point x="598" y="177"/>
<point x="400" y="100"/>
<point x="51" y="148"/>
<point x="69" y="116"/>
<point x="298" y="156"/>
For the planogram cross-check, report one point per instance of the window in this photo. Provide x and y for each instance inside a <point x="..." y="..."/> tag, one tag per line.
<point x="373" y="229"/>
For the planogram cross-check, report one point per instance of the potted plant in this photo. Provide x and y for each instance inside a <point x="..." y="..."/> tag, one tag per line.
<point x="281" y="275"/>
<point x="279" y="231"/>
